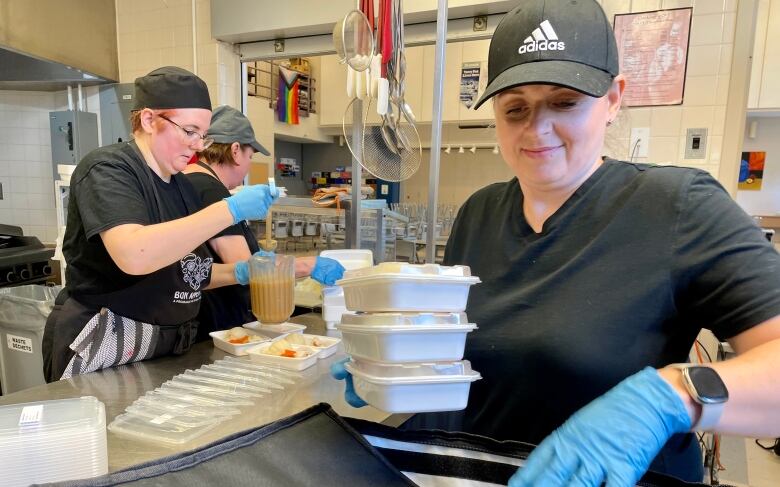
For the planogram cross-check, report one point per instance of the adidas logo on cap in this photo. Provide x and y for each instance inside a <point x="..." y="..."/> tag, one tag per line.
<point x="543" y="38"/>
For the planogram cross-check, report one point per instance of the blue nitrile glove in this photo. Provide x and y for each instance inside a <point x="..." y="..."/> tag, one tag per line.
<point x="612" y="439"/>
<point x="252" y="202"/>
<point x="327" y="271"/>
<point x="241" y="269"/>
<point x="338" y="372"/>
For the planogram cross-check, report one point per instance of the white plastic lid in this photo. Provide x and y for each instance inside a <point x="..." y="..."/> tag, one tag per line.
<point x="405" y="319"/>
<point x="422" y="329"/>
<point x="351" y="259"/>
<point x="410" y="269"/>
<point x="418" y="373"/>
<point x="83" y="414"/>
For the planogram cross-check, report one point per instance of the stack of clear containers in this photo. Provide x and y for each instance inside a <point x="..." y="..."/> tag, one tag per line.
<point x="52" y="441"/>
<point x="408" y="336"/>
<point x="196" y="401"/>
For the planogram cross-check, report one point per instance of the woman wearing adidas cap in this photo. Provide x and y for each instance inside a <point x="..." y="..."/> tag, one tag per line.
<point x="599" y="274"/>
<point x="134" y="237"/>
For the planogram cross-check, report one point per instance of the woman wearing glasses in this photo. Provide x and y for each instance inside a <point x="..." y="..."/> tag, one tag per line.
<point x="134" y="237"/>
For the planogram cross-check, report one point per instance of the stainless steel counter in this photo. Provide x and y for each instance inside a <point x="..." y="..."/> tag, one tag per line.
<point x="120" y="386"/>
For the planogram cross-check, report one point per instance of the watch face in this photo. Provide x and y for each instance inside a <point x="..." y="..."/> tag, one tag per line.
<point x="708" y="384"/>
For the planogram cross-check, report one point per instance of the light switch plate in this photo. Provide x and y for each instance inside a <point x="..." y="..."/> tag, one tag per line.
<point x="640" y="142"/>
<point x="696" y="144"/>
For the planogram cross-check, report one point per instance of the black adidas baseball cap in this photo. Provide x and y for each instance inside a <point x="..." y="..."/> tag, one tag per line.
<point x="567" y="43"/>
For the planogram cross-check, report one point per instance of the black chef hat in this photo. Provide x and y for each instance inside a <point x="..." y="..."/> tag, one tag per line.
<point x="171" y="87"/>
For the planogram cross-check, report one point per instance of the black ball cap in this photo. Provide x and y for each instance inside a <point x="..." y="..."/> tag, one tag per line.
<point x="228" y="125"/>
<point x="171" y="87"/>
<point x="567" y="43"/>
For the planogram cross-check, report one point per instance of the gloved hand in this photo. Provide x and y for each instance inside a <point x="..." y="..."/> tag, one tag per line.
<point x="612" y="439"/>
<point x="252" y="202"/>
<point x="338" y="372"/>
<point x="327" y="271"/>
<point x="241" y="269"/>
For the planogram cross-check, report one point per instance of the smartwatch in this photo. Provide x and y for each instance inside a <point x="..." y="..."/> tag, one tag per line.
<point x="708" y="390"/>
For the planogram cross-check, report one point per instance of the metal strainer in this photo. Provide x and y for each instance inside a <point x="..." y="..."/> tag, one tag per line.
<point x="354" y="40"/>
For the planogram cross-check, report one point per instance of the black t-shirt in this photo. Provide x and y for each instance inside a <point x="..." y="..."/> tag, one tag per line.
<point x="624" y="275"/>
<point x="106" y="190"/>
<point x="227" y="306"/>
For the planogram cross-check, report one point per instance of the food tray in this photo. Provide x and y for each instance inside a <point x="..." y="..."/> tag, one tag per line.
<point x="221" y="342"/>
<point x="257" y="355"/>
<point x="326" y="346"/>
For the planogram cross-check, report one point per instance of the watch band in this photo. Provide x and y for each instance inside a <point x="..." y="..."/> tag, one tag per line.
<point x="710" y="411"/>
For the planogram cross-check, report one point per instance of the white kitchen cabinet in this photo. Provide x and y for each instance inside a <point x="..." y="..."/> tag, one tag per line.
<point x="332" y="91"/>
<point x="765" y="71"/>
<point x="453" y="56"/>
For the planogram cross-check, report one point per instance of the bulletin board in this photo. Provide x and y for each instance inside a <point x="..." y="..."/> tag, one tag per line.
<point x="653" y="49"/>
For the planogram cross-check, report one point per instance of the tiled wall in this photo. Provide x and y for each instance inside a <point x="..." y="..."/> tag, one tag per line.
<point x="706" y="87"/>
<point x="25" y="163"/>
<point x="154" y="33"/>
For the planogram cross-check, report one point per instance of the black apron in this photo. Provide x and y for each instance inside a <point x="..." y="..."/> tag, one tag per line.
<point x="156" y="316"/>
<point x="228" y="306"/>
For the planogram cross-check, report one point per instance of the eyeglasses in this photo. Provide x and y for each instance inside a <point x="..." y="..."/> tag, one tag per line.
<point x="191" y="137"/>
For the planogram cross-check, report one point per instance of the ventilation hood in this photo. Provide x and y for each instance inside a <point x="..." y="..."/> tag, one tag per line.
<point x="24" y="72"/>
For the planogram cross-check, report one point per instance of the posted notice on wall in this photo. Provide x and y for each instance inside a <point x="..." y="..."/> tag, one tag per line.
<point x="653" y="48"/>
<point x="470" y="83"/>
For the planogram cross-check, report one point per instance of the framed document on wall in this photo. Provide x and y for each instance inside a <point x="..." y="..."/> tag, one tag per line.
<point x="653" y="48"/>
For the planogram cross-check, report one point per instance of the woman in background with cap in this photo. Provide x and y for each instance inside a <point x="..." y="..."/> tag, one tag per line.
<point x="222" y="167"/>
<point x="599" y="274"/>
<point x="136" y="263"/>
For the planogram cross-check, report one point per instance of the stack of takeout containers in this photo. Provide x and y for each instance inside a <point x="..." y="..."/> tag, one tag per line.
<point x="408" y="336"/>
<point x="52" y="441"/>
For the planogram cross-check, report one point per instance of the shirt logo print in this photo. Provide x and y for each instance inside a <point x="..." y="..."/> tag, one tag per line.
<point x="195" y="270"/>
<point x="543" y="38"/>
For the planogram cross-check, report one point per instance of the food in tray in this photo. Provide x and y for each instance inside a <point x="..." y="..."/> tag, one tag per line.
<point x="312" y="341"/>
<point x="239" y="336"/>
<point x="283" y="348"/>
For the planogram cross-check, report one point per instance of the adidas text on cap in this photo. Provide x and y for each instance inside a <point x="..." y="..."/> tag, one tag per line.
<point x="567" y="43"/>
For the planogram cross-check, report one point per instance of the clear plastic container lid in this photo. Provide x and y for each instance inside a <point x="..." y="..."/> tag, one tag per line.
<point x="142" y="428"/>
<point x="226" y="367"/>
<point x="152" y="399"/>
<point x="40" y="418"/>
<point x="418" y="373"/>
<point x="274" y="330"/>
<point x="229" y="406"/>
<point x="405" y="319"/>
<point x="160" y="415"/>
<point x="244" y="362"/>
<point x="208" y="378"/>
<point x="241" y="377"/>
<point x="188" y="392"/>
<point x="211" y="386"/>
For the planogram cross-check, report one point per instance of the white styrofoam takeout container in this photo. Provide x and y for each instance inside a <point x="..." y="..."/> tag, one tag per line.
<point x="405" y="319"/>
<point x="396" y="286"/>
<point x="406" y="343"/>
<point x="220" y="341"/>
<point x="413" y="388"/>
<point x="258" y="355"/>
<point x="333" y="304"/>
<point x="274" y="331"/>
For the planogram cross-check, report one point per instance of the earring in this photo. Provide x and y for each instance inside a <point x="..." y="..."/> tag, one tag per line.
<point x="609" y="122"/>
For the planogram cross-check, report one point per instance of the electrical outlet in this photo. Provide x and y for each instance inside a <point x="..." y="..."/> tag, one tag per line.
<point x="696" y="143"/>
<point x="640" y="142"/>
<point x="1" y="191"/>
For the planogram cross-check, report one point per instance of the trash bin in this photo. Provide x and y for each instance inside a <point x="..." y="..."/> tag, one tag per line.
<point x="23" y="313"/>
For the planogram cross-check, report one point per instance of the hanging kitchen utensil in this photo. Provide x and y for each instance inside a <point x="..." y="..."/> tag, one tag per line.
<point x="347" y="122"/>
<point x="354" y="40"/>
